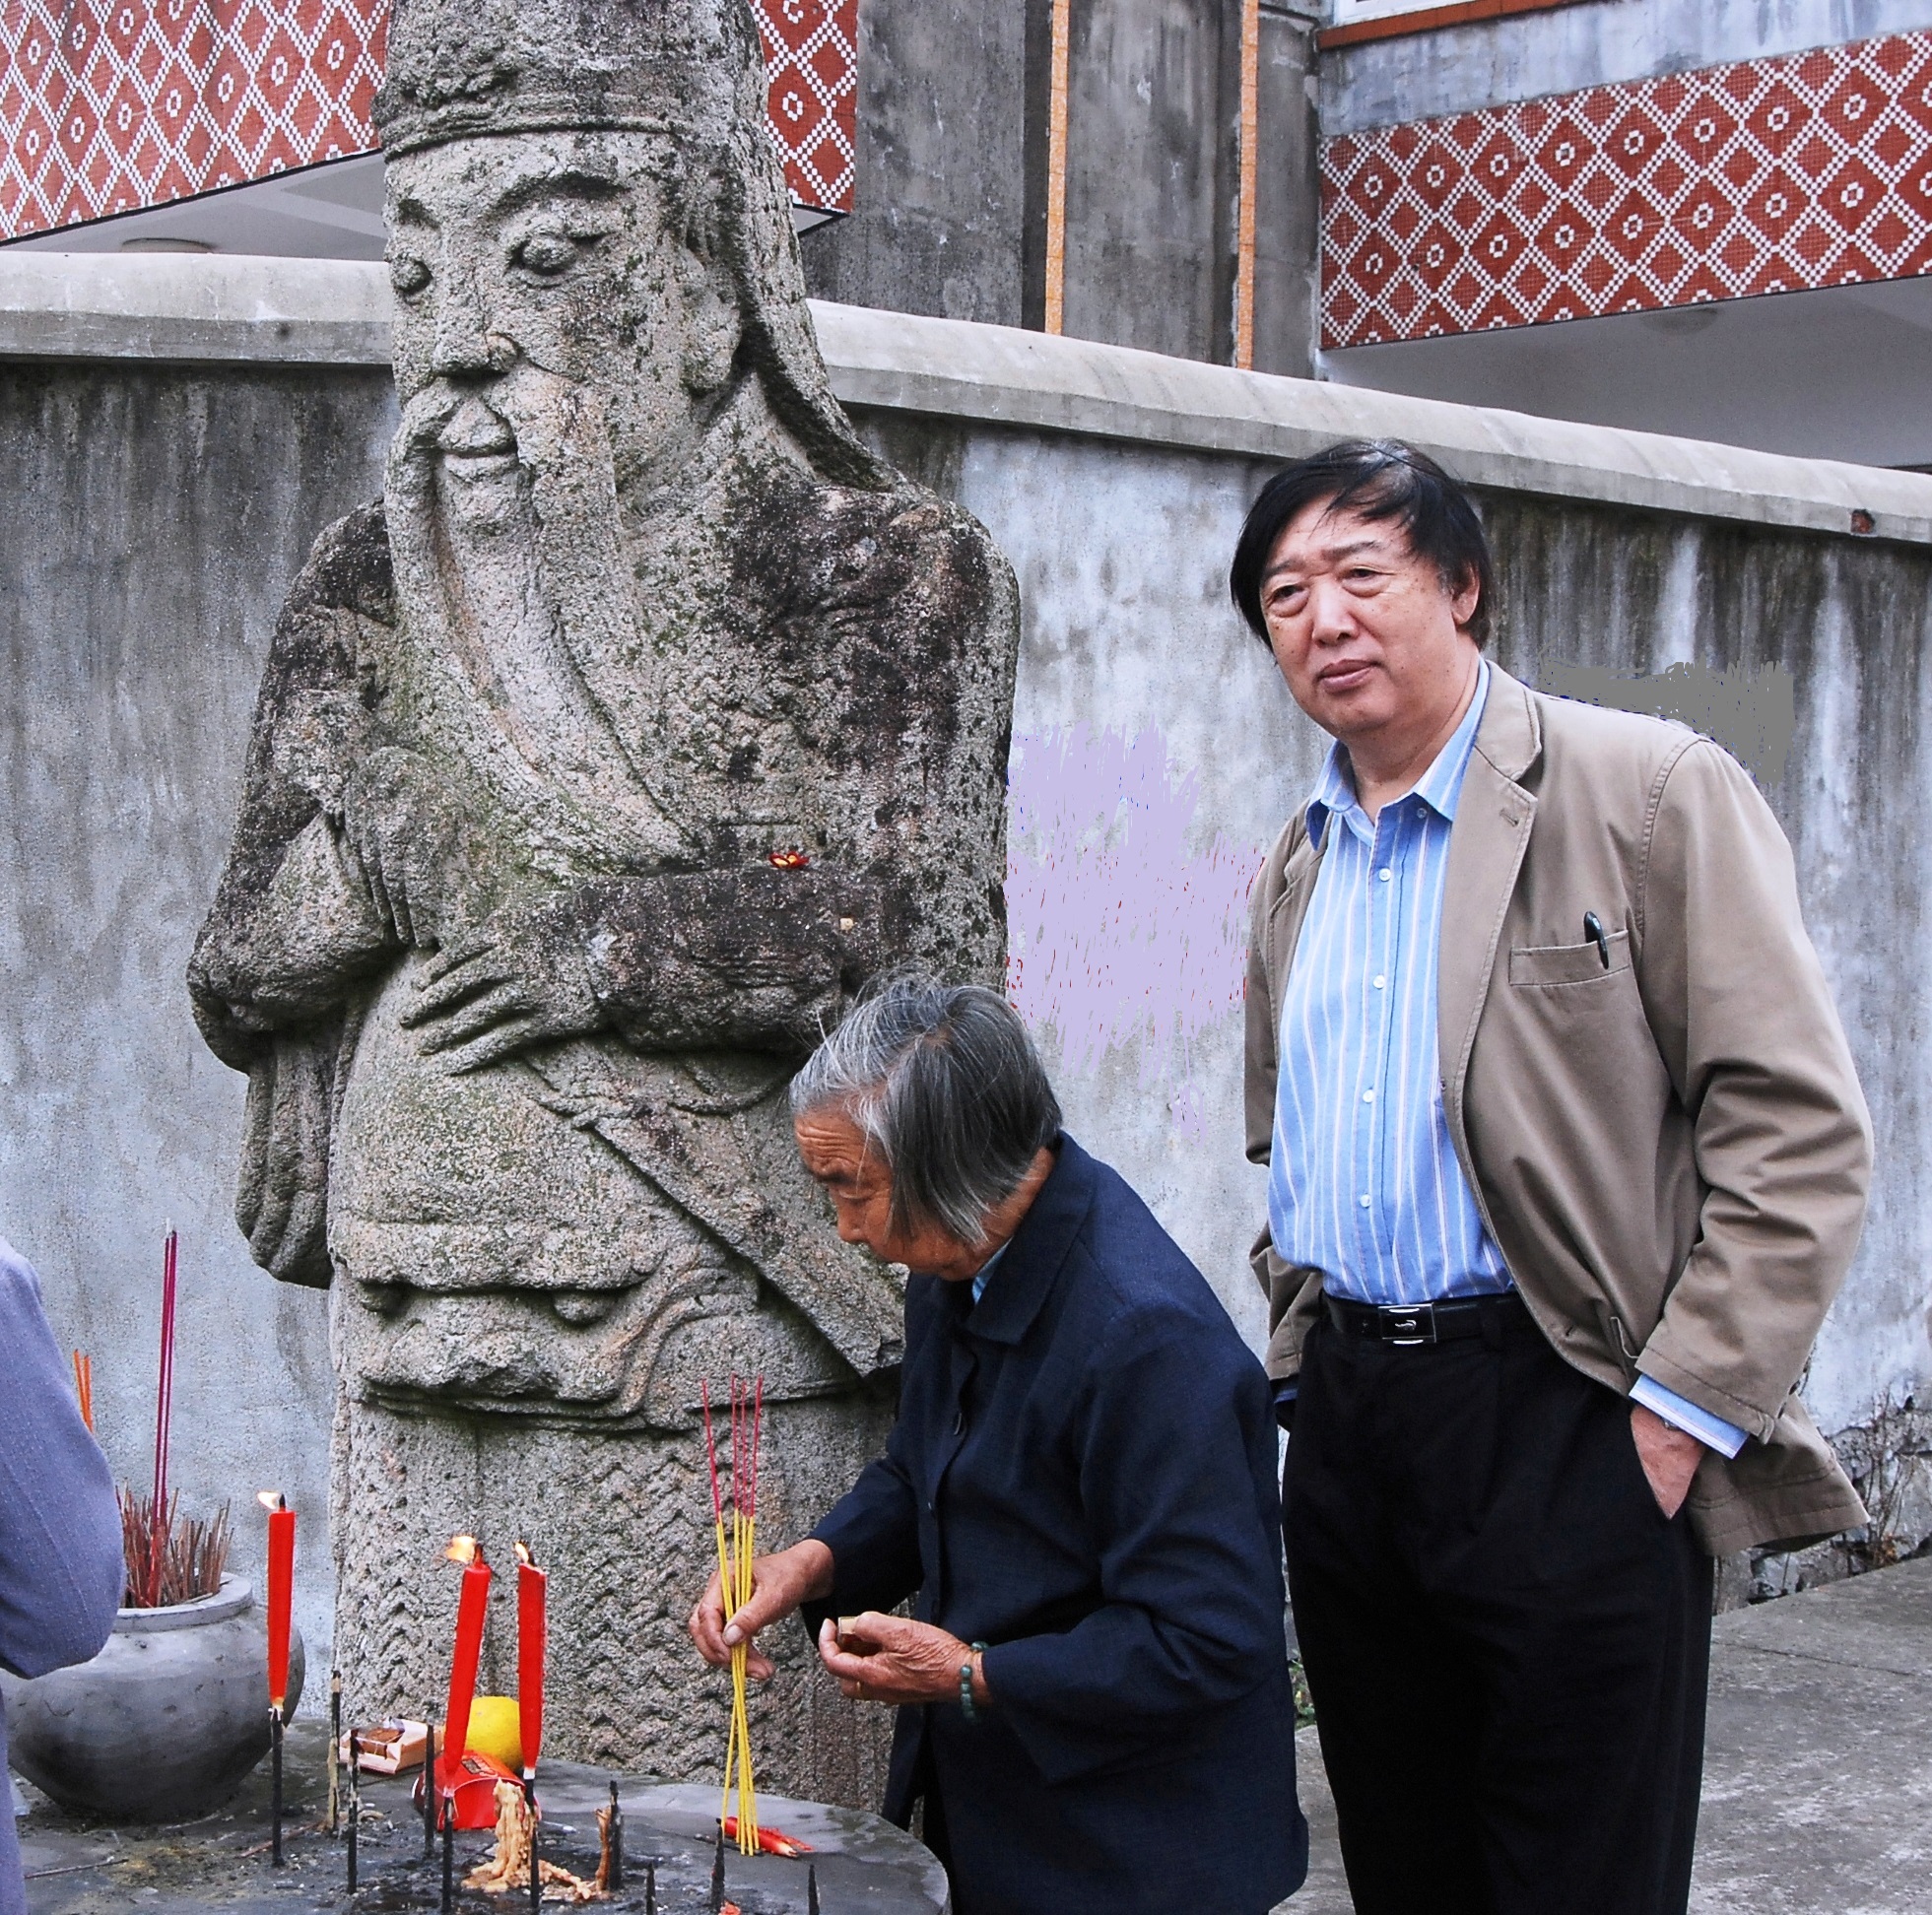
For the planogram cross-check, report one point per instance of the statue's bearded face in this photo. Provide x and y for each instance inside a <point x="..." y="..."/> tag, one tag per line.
<point x="556" y="253"/>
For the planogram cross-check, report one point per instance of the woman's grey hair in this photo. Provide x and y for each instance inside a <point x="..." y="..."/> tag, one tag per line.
<point x="946" y="1085"/>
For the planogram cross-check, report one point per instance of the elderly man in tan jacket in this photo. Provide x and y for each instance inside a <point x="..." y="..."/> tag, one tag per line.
<point x="1567" y="1160"/>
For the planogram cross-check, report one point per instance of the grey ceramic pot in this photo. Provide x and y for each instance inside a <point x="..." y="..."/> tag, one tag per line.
<point x="162" y="1725"/>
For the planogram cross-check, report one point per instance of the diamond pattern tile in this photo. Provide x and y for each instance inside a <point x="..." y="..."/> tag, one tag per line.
<point x="110" y="106"/>
<point x="1773" y="175"/>
<point x="812" y="68"/>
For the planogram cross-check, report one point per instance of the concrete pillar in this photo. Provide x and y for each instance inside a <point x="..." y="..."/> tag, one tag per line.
<point x="943" y="165"/>
<point x="1287" y="229"/>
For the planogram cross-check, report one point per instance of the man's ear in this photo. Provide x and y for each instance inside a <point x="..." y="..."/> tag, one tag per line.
<point x="1467" y="596"/>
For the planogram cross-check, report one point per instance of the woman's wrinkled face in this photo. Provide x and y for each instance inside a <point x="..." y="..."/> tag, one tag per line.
<point x="859" y="1183"/>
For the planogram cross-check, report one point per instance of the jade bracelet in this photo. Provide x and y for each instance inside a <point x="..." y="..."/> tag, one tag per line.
<point x="967" y="1707"/>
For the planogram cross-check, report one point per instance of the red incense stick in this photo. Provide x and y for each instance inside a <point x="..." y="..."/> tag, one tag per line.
<point x="712" y="1452"/>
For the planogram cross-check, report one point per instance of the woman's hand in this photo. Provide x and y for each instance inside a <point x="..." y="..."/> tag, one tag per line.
<point x="780" y="1583"/>
<point x="900" y="1660"/>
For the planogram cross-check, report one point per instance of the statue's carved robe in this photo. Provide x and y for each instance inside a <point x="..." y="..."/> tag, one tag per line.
<point x="782" y="769"/>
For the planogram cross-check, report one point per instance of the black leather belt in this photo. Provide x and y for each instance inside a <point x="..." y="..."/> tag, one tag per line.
<point x="1420" y="1323"/>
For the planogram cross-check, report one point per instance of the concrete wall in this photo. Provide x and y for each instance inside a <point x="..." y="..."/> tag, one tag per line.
<point x="943" y="167"/>
<point x="1526" y="55"/>
<point x="153" y="518"/>
<point x="155" y="512"/>
<point x="951" y="218"/>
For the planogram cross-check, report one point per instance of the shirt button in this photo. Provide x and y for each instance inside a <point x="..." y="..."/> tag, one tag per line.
<point x="1369" y="1096"/>
<point x="1364" y="1203"/>
<point x="1386" y="874"/>
<point x="1381" y="983"/>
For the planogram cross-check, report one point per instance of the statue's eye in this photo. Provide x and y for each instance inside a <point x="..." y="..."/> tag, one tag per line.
<point x="408" y="274"/>
<point x="547" y="254"/>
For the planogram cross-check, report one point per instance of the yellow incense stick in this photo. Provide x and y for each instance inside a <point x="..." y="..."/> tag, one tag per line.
<point x="735" y="1573"/>
<point x="737" y="1546"/>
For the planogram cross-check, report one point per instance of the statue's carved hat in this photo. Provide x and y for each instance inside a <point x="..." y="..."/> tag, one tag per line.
<point x="458" y="68"/>
<point x="692" y="71"/>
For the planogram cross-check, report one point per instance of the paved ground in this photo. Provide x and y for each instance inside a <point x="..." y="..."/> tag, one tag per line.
<point x="1818" y="1792"/>
<point x="1818" y="1772"/>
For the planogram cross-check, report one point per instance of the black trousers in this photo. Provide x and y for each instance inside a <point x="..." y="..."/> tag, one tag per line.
<point x="1506" y="1643"/>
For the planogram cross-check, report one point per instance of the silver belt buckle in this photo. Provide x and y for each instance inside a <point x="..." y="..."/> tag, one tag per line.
<point x="1407" y="1324"/>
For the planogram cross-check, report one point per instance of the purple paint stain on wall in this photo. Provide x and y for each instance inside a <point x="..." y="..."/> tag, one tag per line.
<point x="1129" y="921"/>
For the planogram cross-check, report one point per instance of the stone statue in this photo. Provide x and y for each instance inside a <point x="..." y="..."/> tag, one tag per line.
<point x="594" y="769"/>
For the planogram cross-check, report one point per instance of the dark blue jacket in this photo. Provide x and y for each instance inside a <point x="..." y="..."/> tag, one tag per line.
<point x="60" y="1527"/>
<point x="1083" y="1476"/>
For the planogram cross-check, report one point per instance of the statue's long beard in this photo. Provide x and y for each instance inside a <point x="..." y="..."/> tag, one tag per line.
<point x="513" y="591"/>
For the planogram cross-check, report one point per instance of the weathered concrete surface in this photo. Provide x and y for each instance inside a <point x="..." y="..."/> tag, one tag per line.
<point x="1818" y="1762"/>
<point x="189" y="310"/>
<point x="952" y="168"/>
<point x="1153" y="179"/>
<point x="1286" y="278"/>
<point x="1818" y="1772"/>
<point x="152" y="519"/>
<point x="1150" y="254"/>
<point x="945" y="166"/>
<point x="1528" y="55"/>
<point x="1071" y="386"/>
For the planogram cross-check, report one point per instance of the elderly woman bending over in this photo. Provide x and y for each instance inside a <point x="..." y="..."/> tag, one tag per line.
<point x="1093" y="1698"/>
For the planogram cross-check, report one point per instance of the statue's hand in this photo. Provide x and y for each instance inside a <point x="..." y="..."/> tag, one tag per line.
<point x="524" y="980"/>
<point x="403" y="836"/>
<point x="748" y="958"/>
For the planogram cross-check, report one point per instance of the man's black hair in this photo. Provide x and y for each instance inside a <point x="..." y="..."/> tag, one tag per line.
<point x="1374" y="479"/>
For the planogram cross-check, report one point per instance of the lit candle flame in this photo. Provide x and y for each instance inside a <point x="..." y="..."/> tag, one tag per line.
<point x="270" y="1500"/>
<point x="524" y="1556"/>
<point x="463" y="1548"/>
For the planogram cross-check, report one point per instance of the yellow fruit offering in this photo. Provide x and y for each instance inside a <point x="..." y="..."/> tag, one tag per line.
<point x="494" y="1730"/>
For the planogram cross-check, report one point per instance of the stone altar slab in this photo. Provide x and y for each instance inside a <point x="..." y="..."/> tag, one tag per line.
<point x="220" y="1866"/>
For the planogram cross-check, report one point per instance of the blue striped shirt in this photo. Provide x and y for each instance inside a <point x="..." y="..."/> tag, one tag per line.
<point x="1365" y="1184"/>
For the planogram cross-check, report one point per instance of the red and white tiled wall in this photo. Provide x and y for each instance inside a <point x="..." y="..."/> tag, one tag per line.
<point x="112" y="106"/>
<point x="1769" y="176"/>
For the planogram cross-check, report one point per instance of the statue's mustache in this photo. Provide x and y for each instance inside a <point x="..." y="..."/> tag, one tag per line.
<point x="525" y="413"/>
<point x="475" y="430"/>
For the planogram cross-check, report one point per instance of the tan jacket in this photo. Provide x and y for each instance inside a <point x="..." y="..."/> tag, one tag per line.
<point x="1672" y="1154"/>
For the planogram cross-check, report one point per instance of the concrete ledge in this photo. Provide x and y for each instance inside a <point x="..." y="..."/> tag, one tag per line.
<point x="193" y="308"/>
<point x="1023" y="379"/>
<point x="226" y="309"/>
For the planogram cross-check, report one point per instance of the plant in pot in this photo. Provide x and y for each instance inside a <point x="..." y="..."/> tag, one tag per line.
<point x="164" y="1723"/>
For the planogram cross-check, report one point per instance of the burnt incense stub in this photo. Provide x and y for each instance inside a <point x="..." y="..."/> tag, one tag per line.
<point x="596" y="768"/>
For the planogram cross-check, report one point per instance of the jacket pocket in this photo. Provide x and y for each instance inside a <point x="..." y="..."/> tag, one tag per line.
<point x="1543" y="967"/>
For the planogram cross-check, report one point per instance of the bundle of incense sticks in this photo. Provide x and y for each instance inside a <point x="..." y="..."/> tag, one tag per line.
<point x="163" y="1416"/>
<point x="737" y="1540"/>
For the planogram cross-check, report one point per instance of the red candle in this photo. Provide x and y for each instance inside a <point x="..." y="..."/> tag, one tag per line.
<point x="532" y="1634"/>
<point x="280" y="1592"/>
<point x="472" y="1606"/>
